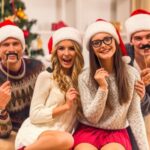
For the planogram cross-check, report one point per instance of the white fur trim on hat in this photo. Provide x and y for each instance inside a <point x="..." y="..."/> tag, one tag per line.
<point x="99" y="26"/>
<point x="67" y="33"/>
<point x="137" y="23"/>
<point x="126" y="59"/>
<point x="12" y="31"/>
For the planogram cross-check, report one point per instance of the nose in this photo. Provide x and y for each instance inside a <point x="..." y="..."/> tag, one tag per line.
<point x="11" y="47"/>
<point x="66" y="52"/>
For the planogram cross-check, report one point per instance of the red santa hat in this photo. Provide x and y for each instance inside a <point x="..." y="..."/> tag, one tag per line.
<point x="64" y="33"/>
<point x="9" y="29"/>
<point x="139" y="20"/>
<point x="103" y="26"/>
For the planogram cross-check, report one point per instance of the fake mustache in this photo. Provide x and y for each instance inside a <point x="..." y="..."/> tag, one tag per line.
<point x="12" y="53"/>
<point x="145" y="47"/>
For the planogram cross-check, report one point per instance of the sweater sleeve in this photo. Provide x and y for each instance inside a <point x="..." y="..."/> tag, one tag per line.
<point x="136" y="123"/>
<point x="93" y="106"/>
<point x="39" y="112"/>
<point x="145" y="104"/>
<point x="5" y="125"/>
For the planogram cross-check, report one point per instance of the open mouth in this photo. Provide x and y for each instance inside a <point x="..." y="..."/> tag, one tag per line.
<point x="67" y="61"/>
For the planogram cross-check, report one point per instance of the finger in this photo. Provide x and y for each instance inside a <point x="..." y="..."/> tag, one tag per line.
<point x="72" y="89"/>
<point x="74" y="92"/>
<point x="141" y="90"/>
<point x="8" y="92"/>
<point x="140" y="85"/>
<point x="140" y="82"/>
<point x="7" y="87"/>
<point x="5" y="84"/>
<point x="147" y="77"/>
<point x="102" y="73"/>
<point x="100" y="70"/>
<point x="146" y="81"/>
<point x="145" y="71"/>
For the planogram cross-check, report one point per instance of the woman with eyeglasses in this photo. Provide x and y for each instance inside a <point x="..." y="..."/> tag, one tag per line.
<point x="109" y="101"/>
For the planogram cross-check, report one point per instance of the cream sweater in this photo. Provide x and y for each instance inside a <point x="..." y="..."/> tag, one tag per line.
<point x="46" y="97"/>
<point x="95" y="112"/>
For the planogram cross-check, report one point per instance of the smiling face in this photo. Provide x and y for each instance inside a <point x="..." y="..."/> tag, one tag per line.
<point x="10" y="51"/>
<point x="141" y="42"/>
<point x="103" y="45"/>
<point x="66" y="54"/>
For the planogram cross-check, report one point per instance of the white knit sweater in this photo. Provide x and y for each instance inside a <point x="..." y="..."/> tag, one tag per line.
<point x="46" y="97"/>
<point x="95" y="112"/>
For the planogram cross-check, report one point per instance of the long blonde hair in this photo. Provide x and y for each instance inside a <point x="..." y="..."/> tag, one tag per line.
<point x="58" y="74"/>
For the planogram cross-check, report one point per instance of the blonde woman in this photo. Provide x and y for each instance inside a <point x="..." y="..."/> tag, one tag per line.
<point x="54" y="103"/>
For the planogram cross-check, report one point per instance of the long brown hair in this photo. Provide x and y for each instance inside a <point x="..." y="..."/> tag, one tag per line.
<point x="58" y="73"/>
<point x="119" y="69"/>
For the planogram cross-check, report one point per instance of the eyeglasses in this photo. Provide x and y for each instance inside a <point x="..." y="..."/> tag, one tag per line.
<point x="98" y="43"/>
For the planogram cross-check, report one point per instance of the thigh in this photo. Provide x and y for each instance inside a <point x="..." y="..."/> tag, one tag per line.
<point x="116" y="138"/>
<point x="86" y="135"/>
<point x="54" y="140"/>
<point x="147" y="123"/>
<point x="85" y="146"/>
<point x="147" y="126"/>
<point x="113" y="146"/>
<point x="57" y="137"/>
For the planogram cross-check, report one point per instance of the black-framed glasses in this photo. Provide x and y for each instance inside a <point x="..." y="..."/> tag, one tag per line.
<point x="98" y="43"/>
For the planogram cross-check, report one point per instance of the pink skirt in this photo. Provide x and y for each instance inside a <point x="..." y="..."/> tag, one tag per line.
<point x="100" y="137"/>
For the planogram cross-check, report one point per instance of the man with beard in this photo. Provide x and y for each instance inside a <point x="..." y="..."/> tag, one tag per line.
<point x="17" y="79"/>
<point x="138" y="33"/>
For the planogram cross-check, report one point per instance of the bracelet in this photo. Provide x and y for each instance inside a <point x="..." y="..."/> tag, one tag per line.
<point x="2" y="112"/>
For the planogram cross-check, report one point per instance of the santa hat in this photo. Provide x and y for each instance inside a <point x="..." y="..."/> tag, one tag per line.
<point x="138" y="20"/>
<point x="104" y="26"/>
<point x="65" y="33"/>
<point x="9" y="29"/>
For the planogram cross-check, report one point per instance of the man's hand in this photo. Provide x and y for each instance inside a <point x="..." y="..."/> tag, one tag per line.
<point x="5" y="94"/>
<point x="145" y="75"/>
<point x="140" y="88"/>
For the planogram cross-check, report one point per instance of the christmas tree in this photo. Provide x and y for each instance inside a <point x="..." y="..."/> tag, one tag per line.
<point x="14" y="10"/>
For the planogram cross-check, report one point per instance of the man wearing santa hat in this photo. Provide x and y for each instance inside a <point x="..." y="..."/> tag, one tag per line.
<point x="138" y="34"/>
<point x="17" y="79"/>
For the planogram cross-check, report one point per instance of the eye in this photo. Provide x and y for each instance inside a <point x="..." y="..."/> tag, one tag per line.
<point x="60" y="48"/>
<point x="16" y="43"/>
<point x="5" y="44"/>
<point x="71" y="48"/>
<point x="137" y="38"/>
<point x="96" y="43"/>
<point x="148" y="37"/>
<point x="107" y="40"/>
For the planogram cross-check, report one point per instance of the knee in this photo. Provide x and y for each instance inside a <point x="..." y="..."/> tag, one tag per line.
<point x="66" y="140"/>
